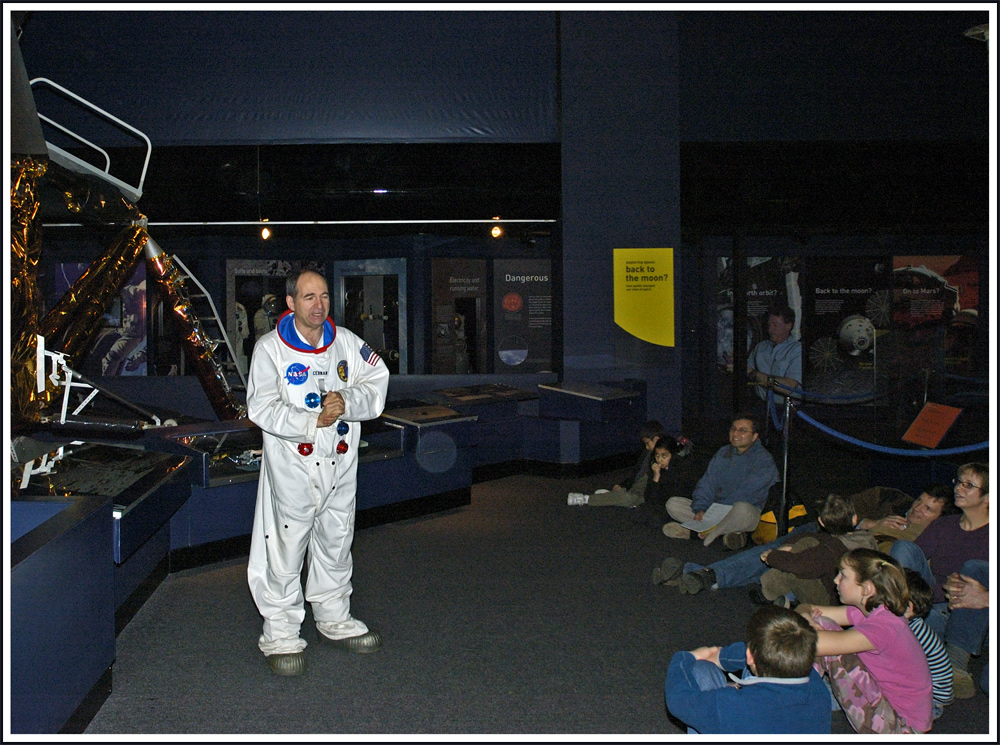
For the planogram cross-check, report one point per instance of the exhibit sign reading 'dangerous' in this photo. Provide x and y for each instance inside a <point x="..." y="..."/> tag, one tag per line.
<point x="644" y="293"/>
<point x="522" y="312"/>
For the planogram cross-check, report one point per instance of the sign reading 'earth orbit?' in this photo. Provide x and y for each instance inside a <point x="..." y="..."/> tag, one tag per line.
<point x="644" y="293"/>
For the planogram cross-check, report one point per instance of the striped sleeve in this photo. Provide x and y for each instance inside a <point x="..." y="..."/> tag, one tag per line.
<point x="942" y="675"/>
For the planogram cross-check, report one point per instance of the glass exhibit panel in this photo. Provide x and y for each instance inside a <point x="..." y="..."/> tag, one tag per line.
<point x="935" y="309"/>
<point x="847" y="323"/>
<point x="460" y="303"/>
<point x="255" y="297"/>
<point x="370" y="300"/>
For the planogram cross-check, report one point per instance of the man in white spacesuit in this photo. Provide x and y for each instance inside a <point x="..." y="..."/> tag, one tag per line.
<point x="310" y="386"/>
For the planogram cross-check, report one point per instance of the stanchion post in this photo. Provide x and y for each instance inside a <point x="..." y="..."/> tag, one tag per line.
<point x="781" y="519"/>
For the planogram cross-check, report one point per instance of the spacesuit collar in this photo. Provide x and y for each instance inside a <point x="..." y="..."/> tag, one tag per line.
<point x="290" y="336"/>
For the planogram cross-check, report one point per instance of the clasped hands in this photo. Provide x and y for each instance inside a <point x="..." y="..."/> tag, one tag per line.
<point x="965" y="592"/>
<point x="333" y="407"/>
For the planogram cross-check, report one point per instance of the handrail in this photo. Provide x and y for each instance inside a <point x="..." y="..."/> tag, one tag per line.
<point x="137" y="190"/>
<point x="75" y="136"/>
<point x="218" y="320"/>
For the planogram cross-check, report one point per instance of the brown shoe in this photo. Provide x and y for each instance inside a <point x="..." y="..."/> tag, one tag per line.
<point x="676" y="530"/>
<point x="694" y="582"/>
<point x="735" y="541"/>
<point x="668" y="572"/>
<point x="964" y="686"/>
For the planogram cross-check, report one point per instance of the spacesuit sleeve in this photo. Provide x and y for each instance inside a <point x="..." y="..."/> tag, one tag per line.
<point x="364" y="398"/>
<point x="265" y="406"/>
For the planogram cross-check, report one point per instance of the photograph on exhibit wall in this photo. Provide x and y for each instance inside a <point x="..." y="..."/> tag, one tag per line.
<point x="849" y="311"/>
<point x="935" y="309"/>
<point x="120" y="345"/>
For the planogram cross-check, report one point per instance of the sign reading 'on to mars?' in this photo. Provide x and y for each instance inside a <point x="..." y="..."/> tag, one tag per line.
<point x="644" y="293"/>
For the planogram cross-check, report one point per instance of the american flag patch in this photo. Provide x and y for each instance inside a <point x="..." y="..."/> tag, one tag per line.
<point x="368" y="354"/>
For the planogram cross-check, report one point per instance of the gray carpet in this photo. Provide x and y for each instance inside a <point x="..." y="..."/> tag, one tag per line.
<point x="516" y="615"/>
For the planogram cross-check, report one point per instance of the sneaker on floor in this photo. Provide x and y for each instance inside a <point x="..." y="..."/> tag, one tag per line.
<point x="576" y="499"/>
<point x="366" y="643"/>
<point x="735" y="541"/>
<point x="668" y="571"/>
<point x="782" y="601"/>
<point x="964" y="686"/>
<point x="676" y="530"/>
<point x="287" y="665"/>
<point x="694" y="582"/>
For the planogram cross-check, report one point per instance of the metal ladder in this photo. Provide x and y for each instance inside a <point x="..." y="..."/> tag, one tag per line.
<point x="214" y="328"/>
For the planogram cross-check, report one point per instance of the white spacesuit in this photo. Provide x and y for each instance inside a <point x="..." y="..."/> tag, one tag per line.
<point x="306" y="494"/>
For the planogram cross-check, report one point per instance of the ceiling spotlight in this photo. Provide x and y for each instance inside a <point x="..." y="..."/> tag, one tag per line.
<point x="496" y="232"/>
<point x="265" y="233"/>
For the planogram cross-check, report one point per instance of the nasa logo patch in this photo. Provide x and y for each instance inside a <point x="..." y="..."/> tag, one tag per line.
<point x="296" y="374"/>
<point x="342" y="370"/>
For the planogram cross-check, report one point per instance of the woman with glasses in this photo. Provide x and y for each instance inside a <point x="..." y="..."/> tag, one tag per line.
<point x="956" y="546"/>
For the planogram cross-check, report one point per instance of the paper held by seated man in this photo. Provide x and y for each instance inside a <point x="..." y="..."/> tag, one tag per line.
<point x="713" y="516"/>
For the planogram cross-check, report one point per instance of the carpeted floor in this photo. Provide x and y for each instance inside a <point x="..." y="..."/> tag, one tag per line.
<point x="516" y="615"/>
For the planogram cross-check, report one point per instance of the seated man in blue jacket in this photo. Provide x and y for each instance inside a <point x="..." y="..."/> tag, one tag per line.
<point x="739" y="477"/>
<point x="779" y="692"/>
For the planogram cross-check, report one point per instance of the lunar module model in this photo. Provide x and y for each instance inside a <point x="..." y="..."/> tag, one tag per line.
<point x="72" y="182"/>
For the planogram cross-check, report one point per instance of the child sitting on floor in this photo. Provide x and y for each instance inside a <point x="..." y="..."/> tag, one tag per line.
<point x="942" y="673"/>
<point x="649" y="484"/>
<point x="779" y="693"/>
<point x="877" y="669"/>
<point x="803" y="568"/>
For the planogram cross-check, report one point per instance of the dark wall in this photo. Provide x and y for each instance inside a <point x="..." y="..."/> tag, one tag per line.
<point x="620" y="183"/>
<point x="193" y="77"/>
<point x="821" y="75"/>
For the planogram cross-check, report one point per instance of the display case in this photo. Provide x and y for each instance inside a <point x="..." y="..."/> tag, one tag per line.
<point x="61" y="617"/>
<point x="433" y="432"/>
<point x="226" y="452"/>
<point x="593" y="402"/>
<point x="142" y="486"/>
<point x="500" y="411"/>
<point x="215" y="523"/>
<point x="229" y="452"/>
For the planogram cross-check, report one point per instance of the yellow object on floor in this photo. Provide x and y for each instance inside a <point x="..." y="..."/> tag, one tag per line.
<point x="767" y="528"/>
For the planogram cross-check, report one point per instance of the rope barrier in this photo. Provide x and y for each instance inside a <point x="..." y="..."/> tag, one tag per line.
<point x="893" y="451"/>
<point x="977" y="381"/>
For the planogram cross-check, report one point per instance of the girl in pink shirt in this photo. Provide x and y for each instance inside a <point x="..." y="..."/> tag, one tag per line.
<point x="877" y="669"/>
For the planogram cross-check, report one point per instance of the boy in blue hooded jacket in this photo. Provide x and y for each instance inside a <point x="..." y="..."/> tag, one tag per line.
<point x="779" y="692"/>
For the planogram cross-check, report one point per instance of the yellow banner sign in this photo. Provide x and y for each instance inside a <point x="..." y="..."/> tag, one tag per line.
<point x="644" y="293"/>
